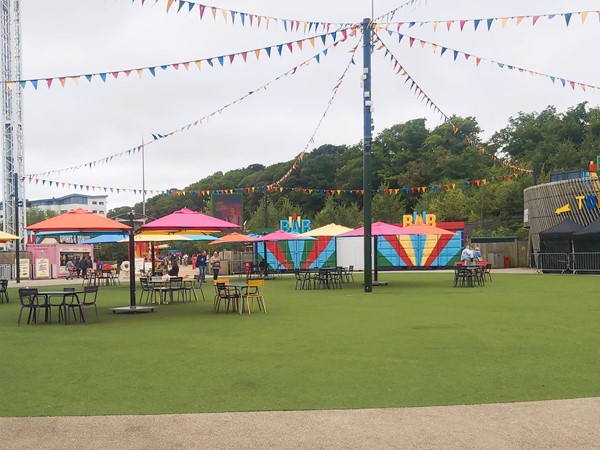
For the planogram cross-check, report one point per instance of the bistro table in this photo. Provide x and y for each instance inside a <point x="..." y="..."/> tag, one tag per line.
<point x="239" y="287"/>
<point x="159" y="285"/>
<point x="63" y="305"/>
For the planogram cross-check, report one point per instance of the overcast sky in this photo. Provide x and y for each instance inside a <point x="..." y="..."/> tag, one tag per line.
<point x="74" y="125"/>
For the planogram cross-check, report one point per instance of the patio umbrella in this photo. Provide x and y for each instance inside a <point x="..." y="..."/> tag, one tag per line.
<point x="427" y="230"/>
<point x="157" y="238"/>
<point x="187" y="221"/>
<point x="233" y="238"/>
<point x="79" y="222"/>
<point x="5" y="237"/>
<point x="106" y="239"/>
<point x="331" y="229"/>
<point x="281" y="235"/>
<point x="377" y="229"/>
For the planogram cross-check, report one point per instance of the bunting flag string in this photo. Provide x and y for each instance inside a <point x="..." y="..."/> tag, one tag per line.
<point x="273" y="188"/>
<point x="488" y="22"/>
<point x="339" y="192"/>
<point x="205" y="119"/>
<point x="213" y="61"/>
<point x="311" y="141"/>
<point x="389" y="16"/>
<point x="564" y="82"/>
<point x="233" y="17"/>
<point x="89" y="187"/>
<point x="421" y="95"/>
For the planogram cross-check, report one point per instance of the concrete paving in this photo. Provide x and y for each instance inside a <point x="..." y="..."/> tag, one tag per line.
<point x="560" y="424"/>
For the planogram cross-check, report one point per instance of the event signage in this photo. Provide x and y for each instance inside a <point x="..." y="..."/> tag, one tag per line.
<point x="42" y="268"/>
<point x="295" y="224"/>
<point x="589" y="201"/>
<point x="24" y="268"/>
<point x="416" y="219"/>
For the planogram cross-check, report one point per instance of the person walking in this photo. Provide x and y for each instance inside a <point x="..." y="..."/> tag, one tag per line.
<point x="70" y="269"/>
<point x="215" y="264"/>
<point x="201" y="262"/>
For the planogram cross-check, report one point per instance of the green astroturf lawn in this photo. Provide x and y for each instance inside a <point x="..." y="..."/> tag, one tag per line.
<point x="418" y="341"/>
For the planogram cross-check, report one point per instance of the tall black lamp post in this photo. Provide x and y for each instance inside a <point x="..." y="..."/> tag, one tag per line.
<point x="131" y="262"/>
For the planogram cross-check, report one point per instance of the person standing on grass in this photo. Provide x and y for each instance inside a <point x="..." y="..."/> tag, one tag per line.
<point x="69" y="266"/>
<point x="215" y="264"/>
<point x="201" y="262"/>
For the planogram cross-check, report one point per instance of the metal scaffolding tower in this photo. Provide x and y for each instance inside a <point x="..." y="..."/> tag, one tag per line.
<point x="12" y="121"/>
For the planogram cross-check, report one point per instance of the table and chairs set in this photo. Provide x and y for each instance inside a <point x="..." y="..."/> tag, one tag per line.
<point x="473" y="274"/>
<point x="163" y="289"/>
<point x="69" y="302"/>
<point x="324" y="277"/>
<point x="101" y="277"/>
<point x="239" y="296"/>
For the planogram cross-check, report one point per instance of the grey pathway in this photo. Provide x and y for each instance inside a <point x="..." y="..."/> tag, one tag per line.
<point x="557" y="424"/>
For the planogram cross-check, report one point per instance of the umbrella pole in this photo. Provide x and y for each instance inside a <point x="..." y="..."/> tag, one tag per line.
<point x="265" y="260"/>
<point x="131" y="264"/>
<point x="375" y="238"/>
<point x="152" y="258"/>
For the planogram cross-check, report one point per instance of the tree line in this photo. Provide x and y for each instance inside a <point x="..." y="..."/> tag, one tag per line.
<point x="410" y="155"/>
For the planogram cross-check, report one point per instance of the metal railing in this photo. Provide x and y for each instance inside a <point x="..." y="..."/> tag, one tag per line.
<point x="552" y="262"/>
<point x="579" y="262"/>
<point x="585" y="262"/>
<point x="6" y="271"/>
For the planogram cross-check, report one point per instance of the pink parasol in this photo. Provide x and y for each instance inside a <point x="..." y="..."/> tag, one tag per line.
<point x="187" y="221"/>
<point x="427" y="230"/>
<point x="377" y="229"/>
<point x="281" y="235"/>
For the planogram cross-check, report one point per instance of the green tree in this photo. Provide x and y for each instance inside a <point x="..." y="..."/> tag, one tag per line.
<point x="334" y="212"/>
<point x="35" y="215"/>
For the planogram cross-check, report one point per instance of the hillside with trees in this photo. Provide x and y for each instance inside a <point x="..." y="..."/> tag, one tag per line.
<point x="448" y="171"/>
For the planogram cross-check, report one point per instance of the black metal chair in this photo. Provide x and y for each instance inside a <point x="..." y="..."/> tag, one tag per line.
<point x="146" y="289"/>
<point x="175" y="286"/>
<point x="4" y="291"/>
<point x="227" y="295"/>
<point x="300" y="279"/>
<point x="28" y="297"/>
<point x="90" y="294"/>
<point x="190" y="288"/>
<point x="350" y="274"/>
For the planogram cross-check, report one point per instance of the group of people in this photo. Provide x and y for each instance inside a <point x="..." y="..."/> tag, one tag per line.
<point x="470" y="254"/>
<point x="203" y="262"/>
<point x="78" y="266"/>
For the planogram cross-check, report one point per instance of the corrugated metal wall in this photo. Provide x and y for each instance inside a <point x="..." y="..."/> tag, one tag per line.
<point x="542" y="201"/>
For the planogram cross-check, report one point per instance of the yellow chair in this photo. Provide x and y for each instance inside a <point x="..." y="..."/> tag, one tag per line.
<point x="254" y="292"/>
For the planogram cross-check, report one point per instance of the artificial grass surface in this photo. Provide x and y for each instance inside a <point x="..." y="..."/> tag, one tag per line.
<point x="418" y="341"/>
